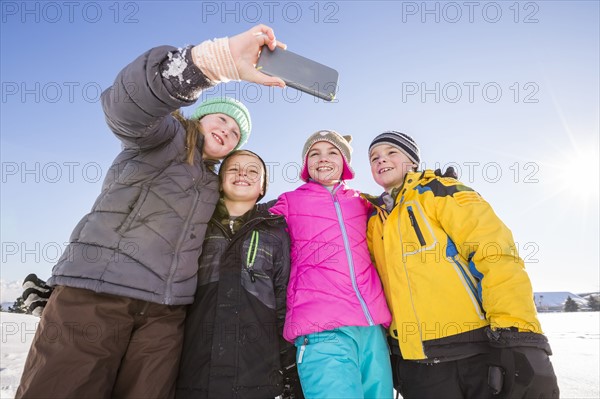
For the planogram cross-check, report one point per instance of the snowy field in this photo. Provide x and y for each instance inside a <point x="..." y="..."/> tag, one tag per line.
<point x="574" y="338"/>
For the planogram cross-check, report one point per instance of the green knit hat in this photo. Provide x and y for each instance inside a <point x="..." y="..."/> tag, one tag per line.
<point x="231" y="107"/>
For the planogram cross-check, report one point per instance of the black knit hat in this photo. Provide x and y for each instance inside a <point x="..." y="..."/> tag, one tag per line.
<point x="251" y="153"/>
<point x="401" y="141"/>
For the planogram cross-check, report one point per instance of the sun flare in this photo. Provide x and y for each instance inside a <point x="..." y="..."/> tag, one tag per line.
<point x="577" y="172"/>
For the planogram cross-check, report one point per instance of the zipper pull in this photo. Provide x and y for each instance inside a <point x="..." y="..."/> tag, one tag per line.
<point x="412" y="219"/>
<point x="302" y="349"/>
<point x="411" y="216"/>
<point x="251" y="273"/>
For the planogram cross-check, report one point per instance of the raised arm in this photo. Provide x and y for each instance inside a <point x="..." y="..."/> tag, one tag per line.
<point x="139" y="103"/>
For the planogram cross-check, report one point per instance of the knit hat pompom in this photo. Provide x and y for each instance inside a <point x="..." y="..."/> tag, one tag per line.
<point x="342" y="143"/>
<point x="231" y="107"/>
<point x="401" y="141"/>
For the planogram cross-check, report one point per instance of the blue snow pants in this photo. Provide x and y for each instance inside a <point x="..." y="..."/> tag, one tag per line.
<point x="348" y="362"/>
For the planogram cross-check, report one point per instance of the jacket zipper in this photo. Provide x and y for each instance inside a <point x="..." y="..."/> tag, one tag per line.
<point x="183" y="235"/>
<point x="226" y="233"/>
<point x="338" y="211"/>
<point x="247" y="226"/>
<point x="415" y="225"/>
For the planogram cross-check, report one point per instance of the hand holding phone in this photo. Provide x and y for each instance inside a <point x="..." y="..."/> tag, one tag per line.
<point x="245" y="49"/>
<point x="299" y="72"/>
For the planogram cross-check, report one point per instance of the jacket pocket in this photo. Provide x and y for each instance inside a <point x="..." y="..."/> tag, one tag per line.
<point x="257" y="267"/>
<point x="416" y="230"/>
<point x="469" y="286"/>
<point x="135" y="210"/>
<point x="254" y="275"/>
<point x="415" y="226"/>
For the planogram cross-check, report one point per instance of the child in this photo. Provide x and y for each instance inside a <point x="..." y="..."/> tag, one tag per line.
<point x="114" y="324"/>
<point x="336" y="306"/>
<point x="461" y="301"/>
<point x="233" y="346"/>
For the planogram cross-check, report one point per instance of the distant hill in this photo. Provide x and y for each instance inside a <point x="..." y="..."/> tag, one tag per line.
<point x="555" y="301"/>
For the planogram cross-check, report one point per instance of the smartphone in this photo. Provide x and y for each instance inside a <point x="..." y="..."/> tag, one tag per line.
<point x="299" y="72"/>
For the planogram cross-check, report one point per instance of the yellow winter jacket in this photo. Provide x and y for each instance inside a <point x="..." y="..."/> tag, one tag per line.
<point x="449" y="267"/>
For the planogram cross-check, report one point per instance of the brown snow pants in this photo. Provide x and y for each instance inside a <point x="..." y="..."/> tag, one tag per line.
<point x="91" y="345"/>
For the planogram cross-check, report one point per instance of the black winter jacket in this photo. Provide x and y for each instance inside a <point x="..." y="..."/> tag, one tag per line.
<point x="144" y="234"/>
<point x="233" y="345"/>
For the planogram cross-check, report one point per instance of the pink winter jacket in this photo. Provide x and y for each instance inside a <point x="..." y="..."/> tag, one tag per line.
<point x="332" y="281"/>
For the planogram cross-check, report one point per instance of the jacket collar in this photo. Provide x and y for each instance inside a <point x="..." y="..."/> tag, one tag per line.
<point x="233" y="225"/>
<point x="258" y="213"/>
<point x="313" y="184"/>
<point x="411" y="180"/>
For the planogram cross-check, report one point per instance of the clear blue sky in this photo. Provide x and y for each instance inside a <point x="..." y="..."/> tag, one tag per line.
<point x="507" y="92"/>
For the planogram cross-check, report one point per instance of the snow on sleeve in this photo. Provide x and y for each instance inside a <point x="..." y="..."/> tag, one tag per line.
<point x="186" y="79"/>
<point x="176" y="65"/>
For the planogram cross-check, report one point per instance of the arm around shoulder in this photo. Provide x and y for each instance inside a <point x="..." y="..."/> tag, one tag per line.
<point x="281" y="206"/>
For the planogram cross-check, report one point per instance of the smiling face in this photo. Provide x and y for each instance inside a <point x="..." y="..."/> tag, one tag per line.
<point x="389" y="166"/>
<point x="243" y="178"/>
<point x="221" y="135"/>
<point x="325" y="163"/>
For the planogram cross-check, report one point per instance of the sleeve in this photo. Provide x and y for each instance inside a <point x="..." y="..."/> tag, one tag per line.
<point x="138" y="105"/>
<point x="281" y="277"/>
<point x="287" y="350"/>
<point x="281" y="206"/>
<point x="371" y="215"/>
<point x="370" y="228"/>
<point x="486" y="245"/>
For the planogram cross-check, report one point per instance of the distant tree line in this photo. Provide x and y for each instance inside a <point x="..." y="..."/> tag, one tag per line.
<point x="17" y="307"/>
<point x="571" y="306"/>
<point x="593" y="303"/>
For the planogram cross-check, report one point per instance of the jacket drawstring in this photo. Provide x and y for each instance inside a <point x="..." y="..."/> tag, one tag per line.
<point x="251" y="257"/>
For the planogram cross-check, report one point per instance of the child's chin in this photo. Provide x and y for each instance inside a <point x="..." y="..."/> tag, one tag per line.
<point x="219" y="154"/>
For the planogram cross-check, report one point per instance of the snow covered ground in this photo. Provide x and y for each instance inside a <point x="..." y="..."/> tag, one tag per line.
<point x="574" y="338"/>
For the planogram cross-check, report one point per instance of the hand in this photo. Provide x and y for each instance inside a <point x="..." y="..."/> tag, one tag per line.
<point x="35" y="294"/>
<point x="245" y="49"/>
<point x="291" y="383"/>
<point x="450" y="172"/>
<point x="520" y="366"/>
